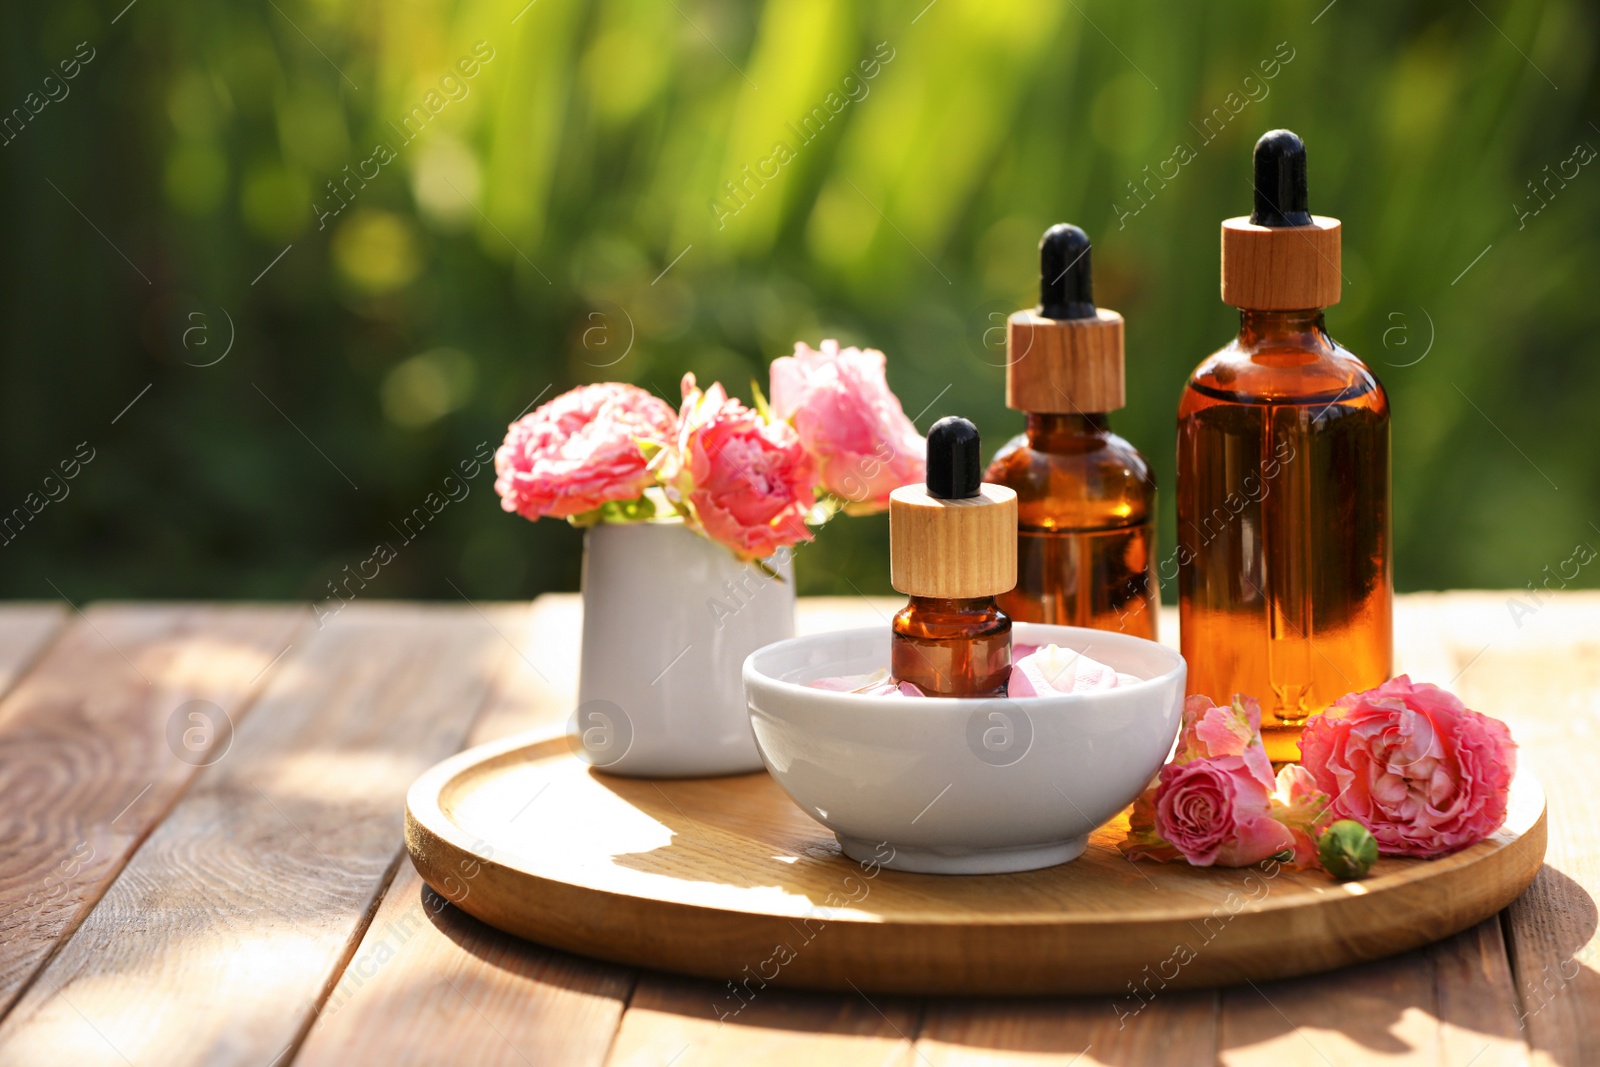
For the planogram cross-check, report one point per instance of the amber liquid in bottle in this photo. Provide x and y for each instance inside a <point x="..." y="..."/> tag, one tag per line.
<point x="1285" y="581"/>
<point x="1085" y="526"/>
<point x="952" y="647"/>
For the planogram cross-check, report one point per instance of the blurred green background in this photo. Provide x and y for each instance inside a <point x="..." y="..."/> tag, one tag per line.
<point x="211" y="181"/>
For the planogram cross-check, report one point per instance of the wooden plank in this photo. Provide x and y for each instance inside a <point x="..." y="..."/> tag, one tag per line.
<point x="1477" y="999"/>
<point x="25" y="630"/>
<point x="538" y="688"/>
<point x="221" y="935"/>
<point x="431" y="984"/>
<point x="1534" y="660"/>
<point x="1382" y="1012"/>
<point x="690" y="1022"/>
<point x="86" y="762"/>
<point x="1448" y="1003"/>
<point x="1169" y="1029"/>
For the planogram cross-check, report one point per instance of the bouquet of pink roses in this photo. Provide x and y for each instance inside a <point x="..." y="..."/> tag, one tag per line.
<point x="834" y="437"/>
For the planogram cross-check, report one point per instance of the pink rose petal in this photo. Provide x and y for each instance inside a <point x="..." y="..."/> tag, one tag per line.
<point x="876" y="684"/>
<point x="1051" y="670"/>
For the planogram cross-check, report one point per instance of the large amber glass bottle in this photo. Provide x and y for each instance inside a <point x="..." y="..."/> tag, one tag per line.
<point x="1285" y="582"/>
<point x="1085" y="497"/>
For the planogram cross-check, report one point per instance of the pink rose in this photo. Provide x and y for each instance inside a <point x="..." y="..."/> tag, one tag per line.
<point x="1218" y="811"/>
<point x="580" y="451"/>
<point x="1144" y="840"/>
<point x="1209" y="731"/>
<point x="1218" y="803"/>
<point x="840" y="404"/>
<point x="745" y="480"/>
<point x="1413" y="765"/>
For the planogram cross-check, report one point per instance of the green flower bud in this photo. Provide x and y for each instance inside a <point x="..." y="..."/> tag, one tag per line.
<point x="1347" y="850"/>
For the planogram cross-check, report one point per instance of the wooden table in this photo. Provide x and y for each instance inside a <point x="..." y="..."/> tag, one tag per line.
<point x="176" y="891"/>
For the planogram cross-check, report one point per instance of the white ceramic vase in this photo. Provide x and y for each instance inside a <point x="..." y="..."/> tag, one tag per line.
<point x="668" y="619"/>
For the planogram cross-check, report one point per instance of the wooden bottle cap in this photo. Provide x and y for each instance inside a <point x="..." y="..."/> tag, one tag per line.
<point x="1064" y="365"/>
<point x="1281" y="258"/>
<point x="953" y="548"/>
<point x="1065" y="355"/>
<point x="1280" y="268"/>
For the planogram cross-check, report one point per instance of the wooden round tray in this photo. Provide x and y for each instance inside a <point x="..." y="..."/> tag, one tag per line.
<point x="726" y="878"/>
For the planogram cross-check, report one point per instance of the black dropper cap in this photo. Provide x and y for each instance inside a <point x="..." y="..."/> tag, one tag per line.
<point x="1280" y="178"/>
<point x="1066" y="289"/>
<point x="954" y="470"/>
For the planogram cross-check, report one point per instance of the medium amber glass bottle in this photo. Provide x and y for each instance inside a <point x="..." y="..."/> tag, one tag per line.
<point x="1286" y="587"/>
<point x="952" y="548"/>
<point x="1085" y="497"/>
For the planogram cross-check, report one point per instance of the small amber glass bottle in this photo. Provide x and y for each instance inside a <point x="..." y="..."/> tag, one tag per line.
<point x="1086" y="500"/>
<point x="952" y="548"/>
<point x="1285" y="583"/>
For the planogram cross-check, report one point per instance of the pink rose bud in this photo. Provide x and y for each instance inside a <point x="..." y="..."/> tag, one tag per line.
<point x="1347" y="850"/>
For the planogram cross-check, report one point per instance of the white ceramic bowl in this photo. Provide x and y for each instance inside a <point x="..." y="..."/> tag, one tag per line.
<point x="967" y="786"/>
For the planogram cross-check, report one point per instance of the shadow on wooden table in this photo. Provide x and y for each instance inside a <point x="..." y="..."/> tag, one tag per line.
<point x="511" y="954"/>
<point x="1548" y="933"/>
<point x="1464" y="999"/>
<point x="1457" y="1001"/>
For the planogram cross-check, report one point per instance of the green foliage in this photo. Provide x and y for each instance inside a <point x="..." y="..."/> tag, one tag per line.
<point x="617" y="511"/>
<point x="411" y="221"/>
